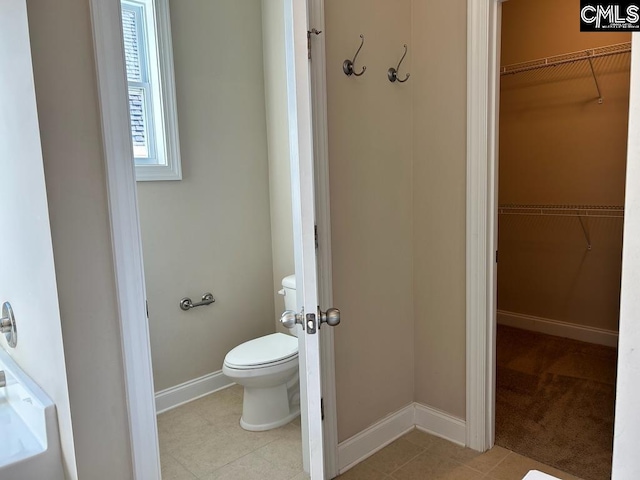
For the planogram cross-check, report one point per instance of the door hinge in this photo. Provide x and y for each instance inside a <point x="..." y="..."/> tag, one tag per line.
<point x="146" y="304"/>
<point x="309" y="32"/>
<point x="496" y="256"/>
<point x="322" y="408"/>
<point x="315" y="230"/>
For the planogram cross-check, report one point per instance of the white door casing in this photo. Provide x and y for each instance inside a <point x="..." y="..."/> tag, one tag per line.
<point x="126" y="237"/>
<point x="483" y="43"/>
<point x="483" y="37"/>
<point x="106" y="23"/>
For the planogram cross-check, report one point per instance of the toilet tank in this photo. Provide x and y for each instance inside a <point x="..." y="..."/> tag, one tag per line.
<point x="290" y="302"/>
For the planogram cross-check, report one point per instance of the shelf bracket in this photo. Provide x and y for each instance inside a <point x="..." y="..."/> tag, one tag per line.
<point x="585" y="231"/>
<point x="595" y="79"/>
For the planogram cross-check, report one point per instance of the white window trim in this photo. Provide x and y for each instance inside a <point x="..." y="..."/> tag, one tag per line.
<point x="165" y="121"/>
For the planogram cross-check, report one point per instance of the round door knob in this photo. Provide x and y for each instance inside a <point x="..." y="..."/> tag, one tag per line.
<point x="332" y="317"/>
<point x="289" y="318"/>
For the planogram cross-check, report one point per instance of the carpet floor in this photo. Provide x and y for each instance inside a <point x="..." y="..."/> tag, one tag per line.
<point x="555" y="401"/>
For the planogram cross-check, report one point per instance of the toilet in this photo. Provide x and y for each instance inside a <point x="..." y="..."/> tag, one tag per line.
<point x="267" y="368"/>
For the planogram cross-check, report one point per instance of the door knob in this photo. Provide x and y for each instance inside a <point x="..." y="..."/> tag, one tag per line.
<point x="331" y="317"/>
<point x="8" y="325"/>
<point x="290" y="318"/>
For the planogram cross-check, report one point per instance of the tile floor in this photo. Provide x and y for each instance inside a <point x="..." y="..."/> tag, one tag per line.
<point x="419" y="456"/>
<point x="203" y="440"/>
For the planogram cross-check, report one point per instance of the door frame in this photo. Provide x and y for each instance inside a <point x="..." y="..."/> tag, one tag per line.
<point x="483" y="53"/>
<point x="483" y="94"/>
<point x="127" y="241"/>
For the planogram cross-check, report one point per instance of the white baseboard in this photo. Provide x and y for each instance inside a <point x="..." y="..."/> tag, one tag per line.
<point x="560" y="329"/>
<point x="374" y="438"/>
<point x="379" y="435"/>
<point x="185" y="392"/>
<point x="440" y="424"/>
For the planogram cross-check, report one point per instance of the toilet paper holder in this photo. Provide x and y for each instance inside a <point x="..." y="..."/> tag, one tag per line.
<point x="187" y="304"/>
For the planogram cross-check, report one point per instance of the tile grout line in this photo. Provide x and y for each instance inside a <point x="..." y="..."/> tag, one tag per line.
<point x="500" y="462"/>
<point x="424" y="450"/>
<point x="182" y="465"/>
<point x="456" y="461"/>
<point x="209" y="423"/>
<point x="492" y="468"/>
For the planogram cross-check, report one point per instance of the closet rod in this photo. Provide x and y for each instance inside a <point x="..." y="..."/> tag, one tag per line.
<point x="592" y="211"/>
<point x="555" y="60"/>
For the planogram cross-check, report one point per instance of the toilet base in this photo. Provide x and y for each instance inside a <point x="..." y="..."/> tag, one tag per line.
<point x="267" y="408"/>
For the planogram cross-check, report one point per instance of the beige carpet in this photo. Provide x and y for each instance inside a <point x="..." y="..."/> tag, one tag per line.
<point x="555" y="401"/>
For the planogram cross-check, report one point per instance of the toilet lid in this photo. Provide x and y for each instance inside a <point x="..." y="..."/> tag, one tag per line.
<point x="264" y="350"/>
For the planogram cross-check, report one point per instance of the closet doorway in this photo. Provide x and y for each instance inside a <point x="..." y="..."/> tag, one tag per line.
<point x="564" y="104"/>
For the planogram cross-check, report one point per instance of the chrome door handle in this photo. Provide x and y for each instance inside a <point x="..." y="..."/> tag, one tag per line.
<point x="331" y="317"/>
<point x="290" y="318"/>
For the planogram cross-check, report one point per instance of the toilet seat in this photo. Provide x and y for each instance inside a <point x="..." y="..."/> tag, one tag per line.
<point x="263" y="352"/>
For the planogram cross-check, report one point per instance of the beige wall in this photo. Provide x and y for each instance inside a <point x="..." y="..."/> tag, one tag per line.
<point x="397" y="166"/>
<point x="275" y="87"/>
<point x="370" y="147"/>
<point x="211" y="231"/>
<point x="558" y="145"/>
<point x="439" y="184"/>
<point x="64" y="71"/>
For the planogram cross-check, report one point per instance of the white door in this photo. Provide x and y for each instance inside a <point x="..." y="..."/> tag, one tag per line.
<point x="303" y="196"/>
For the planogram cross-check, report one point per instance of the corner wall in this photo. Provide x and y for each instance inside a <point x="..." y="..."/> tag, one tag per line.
<point x="370" y="162"/>
<point x="439" y="202"/>
<point x="397" y="172"/>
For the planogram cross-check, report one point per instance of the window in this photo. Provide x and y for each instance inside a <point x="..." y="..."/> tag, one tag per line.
<point x="152" y="106"/>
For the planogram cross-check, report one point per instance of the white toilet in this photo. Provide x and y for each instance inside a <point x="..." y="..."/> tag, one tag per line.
<point x="267" y="368"/>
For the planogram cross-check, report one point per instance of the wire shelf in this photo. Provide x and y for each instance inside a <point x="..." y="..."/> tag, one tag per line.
<point x="577" y="211"/>
<point x="592" y="211"/>
<point x="583" y="55"/>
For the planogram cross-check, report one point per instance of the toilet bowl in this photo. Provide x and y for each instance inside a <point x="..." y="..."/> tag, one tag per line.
<point x="267" y="368"/>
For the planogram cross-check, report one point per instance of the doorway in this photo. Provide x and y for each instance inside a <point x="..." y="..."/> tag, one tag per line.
<point x="107" y="20"/>
<point x="484" y="21"/>
<point x="562" y="164"/>
<point x="223" y="230"/>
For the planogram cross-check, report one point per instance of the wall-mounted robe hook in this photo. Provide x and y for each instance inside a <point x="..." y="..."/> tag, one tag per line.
<point x="392" y="73"/>
<point x="347" y="66"/>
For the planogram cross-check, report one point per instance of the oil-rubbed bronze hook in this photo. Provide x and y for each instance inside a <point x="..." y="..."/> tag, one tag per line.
<point x="392" y="73"/>
<point x="347" y="66"/>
